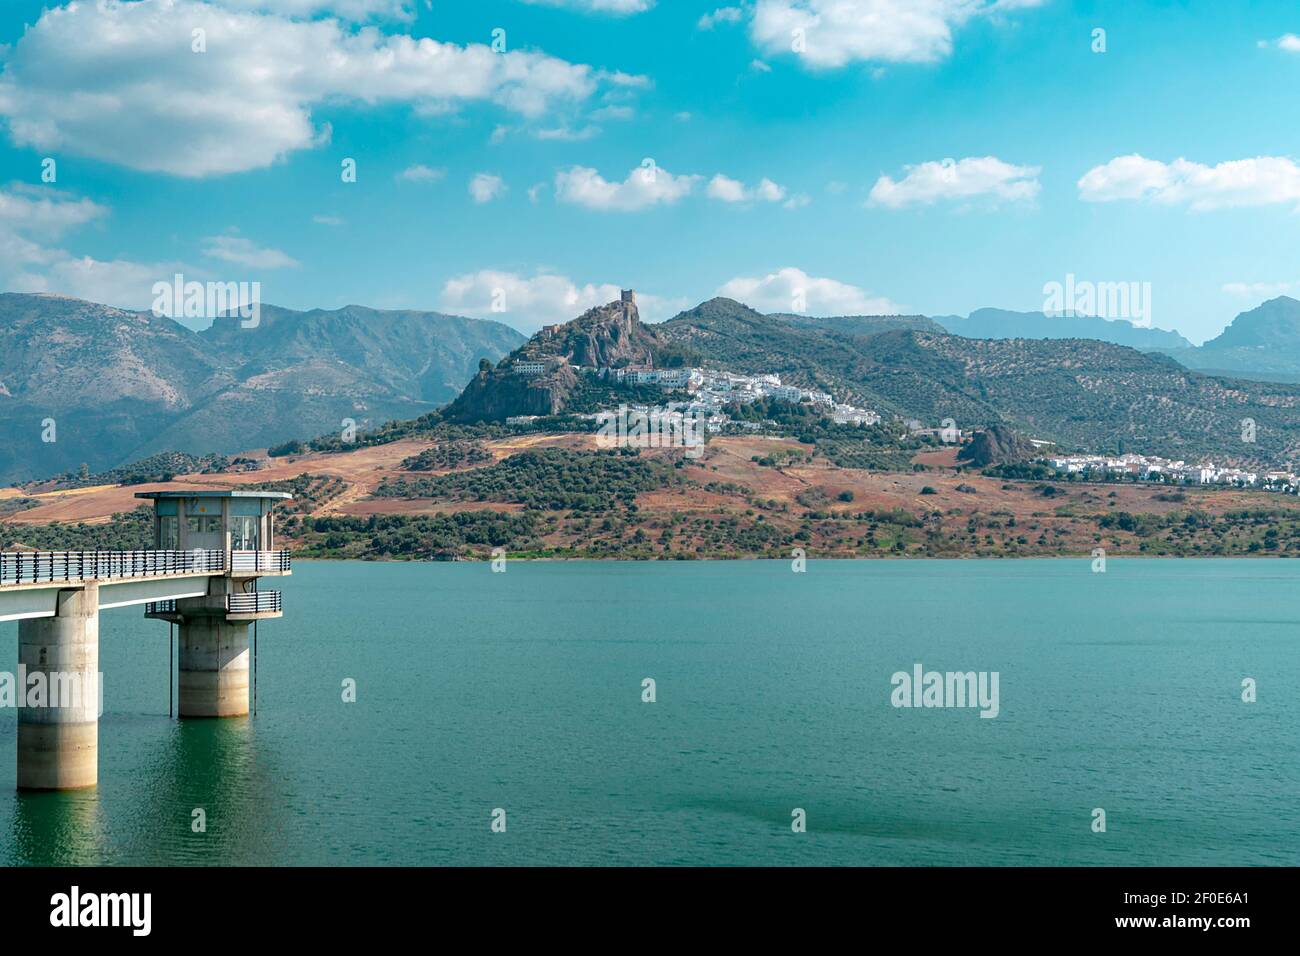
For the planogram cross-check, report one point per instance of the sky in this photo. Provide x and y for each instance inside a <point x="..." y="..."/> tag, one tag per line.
<point x="522" y="160"/>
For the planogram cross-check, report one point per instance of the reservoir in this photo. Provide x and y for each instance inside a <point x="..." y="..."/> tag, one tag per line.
<point x="523" y="692"/>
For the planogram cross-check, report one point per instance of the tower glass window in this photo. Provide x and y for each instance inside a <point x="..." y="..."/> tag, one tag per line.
<point x="243" y="533"/>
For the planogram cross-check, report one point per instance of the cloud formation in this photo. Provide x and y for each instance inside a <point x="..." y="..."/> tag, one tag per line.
<point x="1259" y="291"/>
<point x="826" y="34"/>
<point x="420" y="173"/>
<point x="485" y="187"/>
<point x="33" y="219"/>
<point x="355" y="10"/>
<point x="793" y="290"/>
<point x="245" y="252"/>
<point x="649" y="185"/>
<point x="1261" y="181"/>
<point x="616" y="7"/>
<point x="721" y="15"/>
<point x="726" y="189"/>
<point x="975" y="177"/>
<point x="528" y="303"/>
<point x="122" y="82"/>
<point x="1287" y="43"/>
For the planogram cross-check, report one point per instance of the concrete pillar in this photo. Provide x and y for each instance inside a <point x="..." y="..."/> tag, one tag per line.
<point x="213" y="666"/>
<point x="58" y="743"/>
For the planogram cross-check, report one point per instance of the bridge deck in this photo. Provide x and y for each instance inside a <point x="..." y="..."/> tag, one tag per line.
<point x="30" y="580"/>
<point x="62" y="567"/>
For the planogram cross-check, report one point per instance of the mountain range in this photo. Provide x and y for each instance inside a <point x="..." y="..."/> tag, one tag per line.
<point x="119" y="385"/>
<point x="1078" y="393"/>
<point x="1261" y="343"/>
<point x="1003" y="324"/>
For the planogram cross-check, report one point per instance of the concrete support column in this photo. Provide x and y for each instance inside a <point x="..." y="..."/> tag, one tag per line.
<point x="58" y="740"/>
<point x="213" y="666"/>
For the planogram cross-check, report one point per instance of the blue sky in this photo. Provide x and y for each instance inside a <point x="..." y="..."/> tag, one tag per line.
<point x="819" y="172"/>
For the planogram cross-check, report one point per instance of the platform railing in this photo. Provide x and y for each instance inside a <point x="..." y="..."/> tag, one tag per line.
<point x="260" y="561"/>
<point x="253" y="602"/>
<point x="56" y="567"/>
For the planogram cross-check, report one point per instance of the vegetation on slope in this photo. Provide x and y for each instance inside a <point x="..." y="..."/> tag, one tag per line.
<point x="447" y="455"/>
<point x="547" y="479"/>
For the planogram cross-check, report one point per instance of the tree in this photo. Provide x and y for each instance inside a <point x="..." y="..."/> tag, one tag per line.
<point x="484" y="365"/>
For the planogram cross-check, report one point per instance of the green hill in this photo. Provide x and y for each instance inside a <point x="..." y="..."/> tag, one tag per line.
<point x="1080" y="393"/>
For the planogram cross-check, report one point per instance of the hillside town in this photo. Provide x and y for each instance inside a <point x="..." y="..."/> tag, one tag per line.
<point x="1154" y="468"/>
<point x="711" y="392"/>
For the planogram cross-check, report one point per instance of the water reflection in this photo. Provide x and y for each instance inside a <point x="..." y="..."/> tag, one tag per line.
<point x="142" y="812"/>
<point x="57" y="828"/>
<point x="216" y="766"/>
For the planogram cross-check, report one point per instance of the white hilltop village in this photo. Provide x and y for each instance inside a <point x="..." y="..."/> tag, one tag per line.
<point x="1155" y="468"/>
<point x="712" y="390"/>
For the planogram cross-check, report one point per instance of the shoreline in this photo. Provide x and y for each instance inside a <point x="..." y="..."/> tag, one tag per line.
<point x="828" y="557"/>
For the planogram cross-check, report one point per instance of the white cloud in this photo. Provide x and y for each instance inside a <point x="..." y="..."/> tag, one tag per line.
<point x="1124" y="177"/>
<point x="838" y="32"/>
<point x="797" y="201"/>
<point x="420" y="173"/>
<point x="613" y="113"/>
<point x="720" y="15"/>
<point x="245" y="252"/>
<point x="1256" y="291"/>
<point x="1287" y="42"/>
<point x="485" y="187"/>
<point x="727" y="189"/>
<point x="617" y="7"/>
<point x="568" y="134"/>
<point x="30" y="218"/>
<point x="974" y="177"/>
<point x="45" y="212"/>
<point x="758" y="66"/>
<point x="327" y="220"/>
<point x="646" y="186"/>
<point x="122" y="283"/>
<point x="624" y="82"/>
<point x="730" y="190"/>
<point x="769" y="191"/>
<point x="356" y="10"/>
<point x="543" y="299"/>
<point x="793" y="290"/>
<point x="1261" y="181"/>
<point x="119" y="82"/>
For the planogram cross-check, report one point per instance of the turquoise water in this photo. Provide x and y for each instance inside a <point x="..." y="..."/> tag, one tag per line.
<point x="522" y="691"/>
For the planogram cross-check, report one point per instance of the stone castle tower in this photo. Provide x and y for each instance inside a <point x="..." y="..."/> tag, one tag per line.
<point x="628" y="301"/>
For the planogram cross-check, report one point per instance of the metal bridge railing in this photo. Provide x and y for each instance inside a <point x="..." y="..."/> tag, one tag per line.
<point x="48" y="567"/>
<point x="253" y="602"/>
<point x="260" y="561"/>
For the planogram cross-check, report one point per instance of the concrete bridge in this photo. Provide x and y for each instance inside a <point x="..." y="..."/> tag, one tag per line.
<point x="213" y="547"/>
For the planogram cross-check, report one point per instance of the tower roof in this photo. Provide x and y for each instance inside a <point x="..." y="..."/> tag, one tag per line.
<point x="214" y="493"/>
